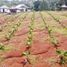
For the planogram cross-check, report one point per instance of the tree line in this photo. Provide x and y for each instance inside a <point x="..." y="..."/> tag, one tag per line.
<point x="36" y="4"/>
<point x="49" y="4"/>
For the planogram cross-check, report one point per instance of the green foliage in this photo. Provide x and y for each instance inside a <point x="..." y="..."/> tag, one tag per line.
<point x="62" y="56"/>
<point x="1" y="28"/>
<point x="2" y="46"/>
<point x="54" y="41"/>
<point x="44" y="5"/>
<point x="56" y="19"/>
<point x="25" y="53"/>
<point x="49" y="30"/>
<point x="31" y="59"/>
<point x="36" y="5"/>
<point x="11" y="33"/>
<point x="30" y="33"/>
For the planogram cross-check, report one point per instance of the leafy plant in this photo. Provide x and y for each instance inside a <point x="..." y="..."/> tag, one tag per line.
<point x="11" y="33"/>
<point x="14" y="28"/>
<point x="0" y="28"/>
<point x="56" y="19"/>
<point x="2" y="46"/>
<point x="62" y="56"/>
<point x="30" y="33"/>
<point x="30" y="36"/>
<point x="54" y="41"/>
<point x="31" y="59"/>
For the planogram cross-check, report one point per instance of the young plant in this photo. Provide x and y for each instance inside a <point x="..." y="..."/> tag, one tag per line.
<point x="31" y="59"/>
<point x="11" y="33"/>
<point x="54" y="41"/>
<point x="57" y="20"/>
<point x="27" y="53"/>
<point x="0" y="28"/>
<point x="30" y="36"/>
<point x="30" y="33"/>
<point x="2" y="46"/>
<point x="49" y="30"/>
<point x="62" y="56"/>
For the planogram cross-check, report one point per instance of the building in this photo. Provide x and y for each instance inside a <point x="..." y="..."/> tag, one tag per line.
<point x="63" y="7"/>
<point x="14" y="9"/>
<point x="22" y="7"/>
<point x="4" y="9"/>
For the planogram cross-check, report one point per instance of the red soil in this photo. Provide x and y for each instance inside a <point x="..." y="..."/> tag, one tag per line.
<point x="41" y="48"/>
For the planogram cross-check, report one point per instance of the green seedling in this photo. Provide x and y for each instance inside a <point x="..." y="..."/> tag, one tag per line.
<point x="0" y="28"/>
<point x="29" y="41"/>
<point x="18" y="24"/>
<point x="9" y="35"/>
<point x="62" y="56"/>
<point x="2" y="46"/>
<point x="55" y="18"/>
<point x="25" y="53"/>
<point x="31" y="59"/>
<point x="5" y="48"/>
<point x="54" y="41"/>
<point x="49" y="30"/>
<point x="30" y="34"/>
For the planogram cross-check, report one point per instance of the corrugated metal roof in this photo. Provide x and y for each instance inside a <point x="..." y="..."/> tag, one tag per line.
<point x="64" y="6"/>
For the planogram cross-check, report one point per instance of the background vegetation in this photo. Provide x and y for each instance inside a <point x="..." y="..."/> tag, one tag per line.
<point x="38" y="4"/>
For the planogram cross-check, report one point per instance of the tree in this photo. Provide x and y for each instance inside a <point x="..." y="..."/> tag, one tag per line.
<point x="37" y="5"/>
<point x="66" y="2"/>
<point x="44" y="5"/>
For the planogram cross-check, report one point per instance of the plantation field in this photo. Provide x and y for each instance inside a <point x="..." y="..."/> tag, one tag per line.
<point x="33" y="39"/>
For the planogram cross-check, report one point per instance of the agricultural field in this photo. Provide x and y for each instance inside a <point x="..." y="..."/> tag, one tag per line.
<point x="33" y="39"/>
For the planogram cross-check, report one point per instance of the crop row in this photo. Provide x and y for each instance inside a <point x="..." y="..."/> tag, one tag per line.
<point x="27" y="53"/>
<point x="57" y="20"/>
<point x="15" y="27"/>
<point x="62" y="54"/>
<point x="7" y="21"/>
<point x="11" y="32"/>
